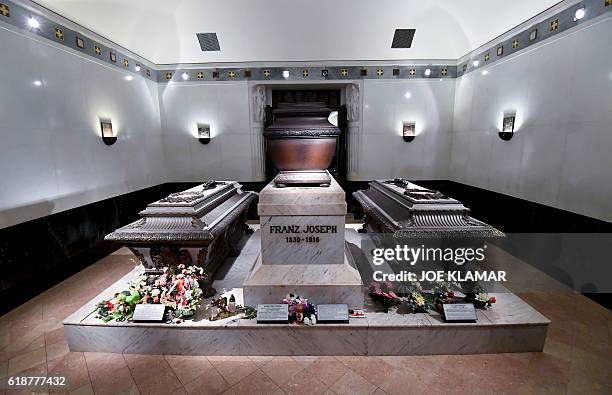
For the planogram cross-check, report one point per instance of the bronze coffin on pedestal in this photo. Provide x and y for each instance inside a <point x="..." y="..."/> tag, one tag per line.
<point x="198" y="226"/>
<point x="301" y="143"/>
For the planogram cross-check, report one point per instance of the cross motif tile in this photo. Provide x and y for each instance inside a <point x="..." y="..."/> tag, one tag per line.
<point x="412" y="71"/>
<point x="97" y="50"/>
<point x="266" y="73"/>
<point x="200" y="75"/>
<point x="515" y="43"/>
<point x="5" y="10"/>
<point x="168" y="76"/>
<point x="554" y="25"/>
<point x="231" y="74"/>
<point x="344" y="72"/>
<point x="305" y="73"/>
<point x="380" y="72"/>
<point x="126" y="62"/>
<point x="59" y="34"/>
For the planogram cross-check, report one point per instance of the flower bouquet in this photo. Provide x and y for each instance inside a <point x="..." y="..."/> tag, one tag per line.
<point x="416" y="302"/>
<point x="299" y="309"/>
<point x="177" y="288"/>
<point x="481" y="300"/>
<point x="383" y="295"/>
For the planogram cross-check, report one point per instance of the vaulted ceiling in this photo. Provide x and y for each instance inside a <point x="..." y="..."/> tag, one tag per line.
<point x="164" y="31"/>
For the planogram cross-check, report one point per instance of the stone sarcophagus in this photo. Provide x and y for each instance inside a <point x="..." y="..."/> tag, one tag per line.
<point x="198" y="226"/>
<point x="408" y="210"/>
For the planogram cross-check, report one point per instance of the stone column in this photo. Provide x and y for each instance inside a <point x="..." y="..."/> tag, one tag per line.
<point x="353" y="106"/>
<point x="258" y="155"/>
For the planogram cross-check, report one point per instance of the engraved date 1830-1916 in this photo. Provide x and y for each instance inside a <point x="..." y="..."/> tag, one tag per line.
<point x="305" y="239"/>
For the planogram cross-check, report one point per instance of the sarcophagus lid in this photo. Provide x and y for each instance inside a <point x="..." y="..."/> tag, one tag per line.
<point x="407" y="209"/>
<point x="196" y="215"/>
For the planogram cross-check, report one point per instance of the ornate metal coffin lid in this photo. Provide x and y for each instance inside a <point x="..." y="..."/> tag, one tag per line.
<point x="410" y="210"/>
<point x="189" y="216"/>
<point x="301" y="120"/>
<point x="416" y="197"/>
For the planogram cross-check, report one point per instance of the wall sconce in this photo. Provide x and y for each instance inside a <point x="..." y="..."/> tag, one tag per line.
<point x="507" y="127"/>
<point x="204" y="133"/>
<point x="108" y="136"/>
<point x="409" y="131"/>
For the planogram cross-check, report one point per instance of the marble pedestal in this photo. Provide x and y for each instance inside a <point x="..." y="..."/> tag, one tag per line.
<point x="302" y="248"/>
<point x="510" y="326"/>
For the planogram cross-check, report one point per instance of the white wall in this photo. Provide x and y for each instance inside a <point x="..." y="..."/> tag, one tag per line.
<point x="51" y="153"/>
<point x="225" y="106"/>
<point x="382" y="152"/>
<point x="385" y="107"/>
<point x="561" y="154"/>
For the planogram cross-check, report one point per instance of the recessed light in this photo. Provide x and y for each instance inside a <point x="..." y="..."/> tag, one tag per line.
<point x="407" y="95"/>
<point x="137" y="68"/>
<point x="285" y="73"/>
<point x="129" y="77"/>
<point x="33" y="23"/>
<point x="579" y="14"/>
<point x="485" y="72"/>
<point x="475" y="63"/>
<point x="185" y="76"/>
<point x="427" y="72"/>
<point x="37" y="83"/>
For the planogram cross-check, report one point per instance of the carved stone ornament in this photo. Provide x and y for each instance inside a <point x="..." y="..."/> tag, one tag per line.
<point x="352" y="102"/>
<point x="259" y="103"/>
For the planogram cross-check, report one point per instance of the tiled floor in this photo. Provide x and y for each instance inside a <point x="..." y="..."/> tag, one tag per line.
<point x="576" y="360"/>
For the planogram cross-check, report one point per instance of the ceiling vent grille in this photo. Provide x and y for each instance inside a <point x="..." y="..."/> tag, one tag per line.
<point x="208" y="41"/>
<point x="403" y="38"/>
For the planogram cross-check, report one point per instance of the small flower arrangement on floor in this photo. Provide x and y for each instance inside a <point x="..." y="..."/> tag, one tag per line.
<point x="416" y="302"/>
<point x="383" y="295"/>
<point x="483" y="301"/>
<point x="178" y="288"/>
<point x="300" y="311"/>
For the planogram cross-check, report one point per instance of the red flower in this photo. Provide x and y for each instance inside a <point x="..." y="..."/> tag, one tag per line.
<point x="493" y="300"/>
<point x="109" y="305"/>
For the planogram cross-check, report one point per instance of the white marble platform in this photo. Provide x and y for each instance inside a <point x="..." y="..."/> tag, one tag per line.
<point x="510" y="326"/>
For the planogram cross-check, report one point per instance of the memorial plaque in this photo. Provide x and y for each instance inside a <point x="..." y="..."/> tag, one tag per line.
<point x="459" y="312"/>
<point x="272" y="314"/>
<point x="149" y="313"/>
<point x="332" y="313"/>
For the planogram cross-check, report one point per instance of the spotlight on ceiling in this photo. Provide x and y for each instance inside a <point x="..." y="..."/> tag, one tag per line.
<point x="33" y="23"/>
<point x="475" y="63"/>
<point x="485" y="72"/>
<point x="129" y="77"/>
<point x="285" y="73"/>
<point x="37" y="83"/>
<point x="580" y="12"/>
<point x="185" y="76"/>
<point x="137" y="68"/>
<point x="427" y="72"/>
<point x="407" y="95"/>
